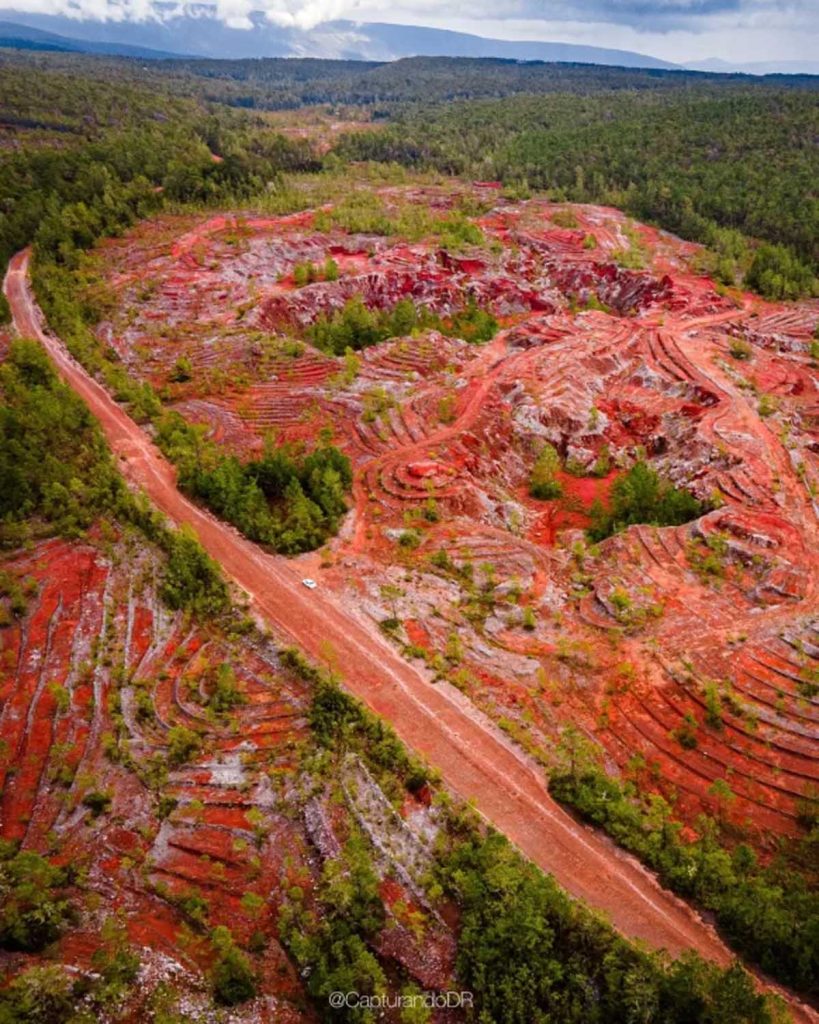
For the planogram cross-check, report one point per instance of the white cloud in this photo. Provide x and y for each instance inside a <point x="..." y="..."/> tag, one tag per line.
<point x="677" y="30"/>
<point x="306" y="15"/>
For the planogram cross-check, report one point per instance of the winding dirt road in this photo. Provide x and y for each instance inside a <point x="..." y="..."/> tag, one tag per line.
<point x="474" y="758"/>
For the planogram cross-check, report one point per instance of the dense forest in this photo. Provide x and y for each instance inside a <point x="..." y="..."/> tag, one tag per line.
<point x="277" y="83"/>
<point x="719" y="166"/>
<point x="729" y="161"/>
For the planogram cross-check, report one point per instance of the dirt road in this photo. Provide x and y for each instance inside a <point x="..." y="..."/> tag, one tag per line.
<point x="475" y="760"/>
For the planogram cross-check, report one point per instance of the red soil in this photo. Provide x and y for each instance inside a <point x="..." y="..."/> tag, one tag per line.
<point x="463" y="426"/>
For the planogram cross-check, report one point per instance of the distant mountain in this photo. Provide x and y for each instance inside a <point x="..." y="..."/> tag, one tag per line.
<point x="193" y="30"/>
<point x="765" y="67"/>
<point x="23" y="37"/>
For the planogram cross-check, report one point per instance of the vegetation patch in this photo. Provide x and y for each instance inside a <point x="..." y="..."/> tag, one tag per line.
<point x="769" y="914"/>
<point x="642" y="496"/>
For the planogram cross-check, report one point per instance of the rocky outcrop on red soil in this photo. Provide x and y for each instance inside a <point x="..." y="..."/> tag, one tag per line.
<point x="610" y="349"/>
<point x="100" y="684"/>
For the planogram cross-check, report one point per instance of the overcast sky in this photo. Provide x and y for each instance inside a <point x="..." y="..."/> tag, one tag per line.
<point x="677" y="30"/>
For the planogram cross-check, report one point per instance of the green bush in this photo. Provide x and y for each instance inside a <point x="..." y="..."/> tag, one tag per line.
<point x="33" y="906"/>
<point x="770" y="914"/>
<point x="474" y="324"/>
<point x="225" y="695"/>
<point x="356" y="326"/>
<point x="183" y="744"/>
<point x="543" y="483"/>
<point x="98" y="803"/>
<point x="642" y="496"/>
<point x="41" y="995"/>
<point x="192" y="580"/>
<point x="232" y="977"/>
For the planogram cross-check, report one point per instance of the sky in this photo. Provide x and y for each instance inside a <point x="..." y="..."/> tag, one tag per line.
<point x="676" y="30"/>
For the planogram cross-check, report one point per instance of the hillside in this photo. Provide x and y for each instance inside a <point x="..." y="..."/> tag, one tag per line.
<point x="207" y="36"/>
<point x="396" y="528"/>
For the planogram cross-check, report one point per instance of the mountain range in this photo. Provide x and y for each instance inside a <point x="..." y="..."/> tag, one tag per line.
<point x="194" y="30"/>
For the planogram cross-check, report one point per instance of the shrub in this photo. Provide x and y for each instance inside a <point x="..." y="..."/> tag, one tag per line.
<point x="226" y="694"/>
<point x="642" y="496"/>
<point x="192" y="580"/>
<point x="233" y="979"/>
<point x="54" y="464"/>
<point x="564" y="219"/>
<point x="183" y="744"/>
<point x="473" y="324"/>
<point x="182" y="370"/>
<point x="543" y="483"/>
<point x="686" y="734"/>
<point x="33" y="907"/>
<point x="289" y="501"/>
<point x="41" y="995"/>
<point x="740" y="349"/>
<point x="98" y="803"/>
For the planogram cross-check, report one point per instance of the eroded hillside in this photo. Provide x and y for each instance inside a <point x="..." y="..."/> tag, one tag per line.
<point x="687" y="652"/>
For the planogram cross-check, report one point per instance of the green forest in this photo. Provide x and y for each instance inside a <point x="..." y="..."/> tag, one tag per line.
<point x="769" y="913"/>
<point x="723" y="166"/>
<point x="725" y="160"/>
<point x="289" y="500"/>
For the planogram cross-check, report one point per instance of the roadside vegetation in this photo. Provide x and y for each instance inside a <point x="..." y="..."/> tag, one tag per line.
<point x="770" y="914"/>
<point x="525" y="949"/>
<point x="54" y="464"/>
<point x="288" y="500"/>
<point x="57" y="476"/>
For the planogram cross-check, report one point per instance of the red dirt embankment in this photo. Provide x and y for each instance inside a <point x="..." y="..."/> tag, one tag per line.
<point x="473" y="757"/>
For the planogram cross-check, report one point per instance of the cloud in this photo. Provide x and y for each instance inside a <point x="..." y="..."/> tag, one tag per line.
<point x="642" y="15"/>
<point x="306" y="15"/>
<point x="677" y="30"/>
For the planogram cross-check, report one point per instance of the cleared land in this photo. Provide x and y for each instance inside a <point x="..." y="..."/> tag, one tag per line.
<point x="592" y="354"/>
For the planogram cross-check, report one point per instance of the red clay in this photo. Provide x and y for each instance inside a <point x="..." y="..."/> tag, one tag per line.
<point x="475" y="759"/>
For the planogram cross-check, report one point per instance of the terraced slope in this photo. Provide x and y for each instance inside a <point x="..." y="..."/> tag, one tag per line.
<point x="708" y="625"/>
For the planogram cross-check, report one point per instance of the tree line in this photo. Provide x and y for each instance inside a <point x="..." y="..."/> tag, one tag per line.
<point x="724" y="166"/>
<point x="770" y="914"/>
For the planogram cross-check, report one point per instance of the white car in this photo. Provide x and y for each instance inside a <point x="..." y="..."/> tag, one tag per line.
<point x="310" y="584"/>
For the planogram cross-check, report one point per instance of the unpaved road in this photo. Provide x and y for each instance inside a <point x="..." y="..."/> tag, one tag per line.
<point x="475" y="760"/>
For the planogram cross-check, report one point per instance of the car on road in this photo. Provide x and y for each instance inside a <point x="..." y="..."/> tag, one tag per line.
<point x="310" y="584"/>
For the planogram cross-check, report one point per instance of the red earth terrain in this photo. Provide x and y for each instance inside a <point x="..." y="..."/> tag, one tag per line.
<point x="93" y="681"/>
<point x="430" y="419"/>
<point x="523" y="627"/>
